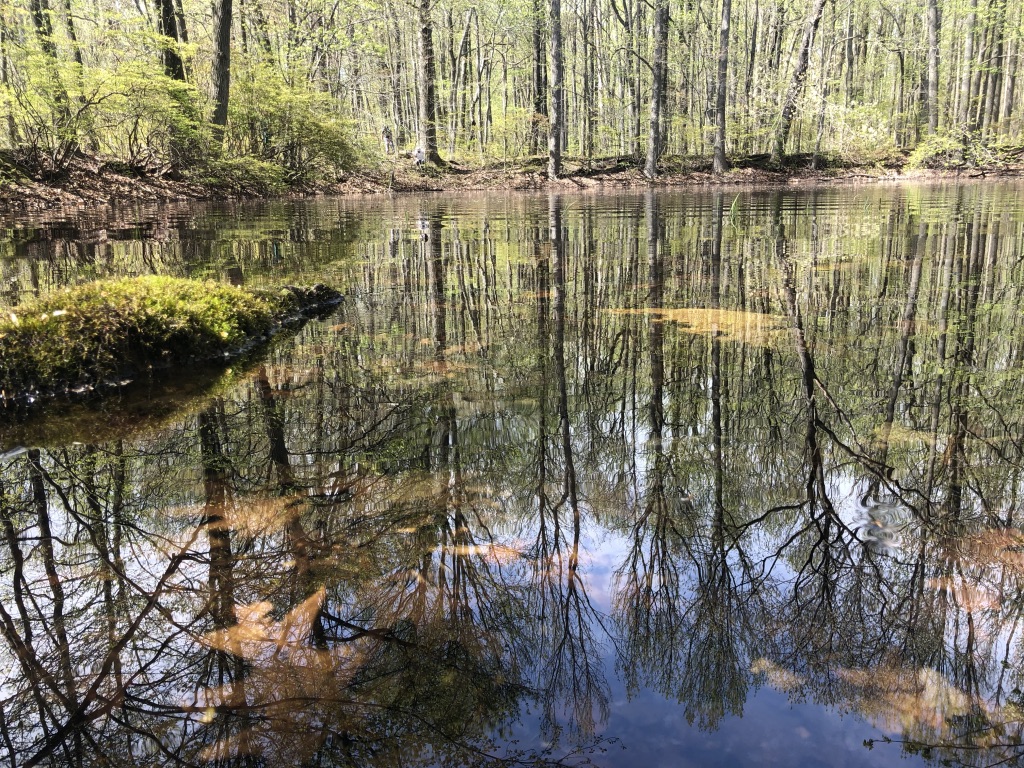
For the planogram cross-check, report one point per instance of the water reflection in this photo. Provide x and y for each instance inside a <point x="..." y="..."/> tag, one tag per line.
<point x="554" y="462"/>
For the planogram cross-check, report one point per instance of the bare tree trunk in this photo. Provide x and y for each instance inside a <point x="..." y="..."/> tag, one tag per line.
<point x="748" y="84"/>
<point x="589" y="80"/>
<point x="76" y="49"/>
<point x="5" y="77"/>
<point x="167" y="26"/>
<point x="40" y="10"/>
<point x="633" y="81"/>
<point x="1009" y="83"/>
<point x="179" y="13"/>
<point x="796" y="84"/>
<point x="994" y="71"/>
<point x="628" y="17"/>
<point x="720" y="164"/>
<point x="932" y="23"/>
<point x="540" y="79"/>
<point x="427" y="86"/>
<point x="221" y="67"/>
<point x="964" y="113"/>
<point x="656" y="133"/>
<point x="41" y="13"/>
<point x="557" y="124"/>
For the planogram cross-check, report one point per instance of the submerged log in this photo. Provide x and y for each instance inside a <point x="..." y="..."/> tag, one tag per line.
<point x="107" y="332"/>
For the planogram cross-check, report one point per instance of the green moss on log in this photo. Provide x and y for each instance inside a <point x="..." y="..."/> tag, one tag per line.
<point x="110" y="329"/>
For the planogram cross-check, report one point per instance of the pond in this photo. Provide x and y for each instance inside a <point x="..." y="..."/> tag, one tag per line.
<point x="686" y="478"/>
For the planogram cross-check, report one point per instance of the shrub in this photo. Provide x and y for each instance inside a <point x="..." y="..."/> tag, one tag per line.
<point x="955" y="148"/>
<point x="242" y="175"/>
<point x="149" y="120"/>
<point x="46" y="119"/>
<point x="134" y="114"/>
<point x="297" y="129"/>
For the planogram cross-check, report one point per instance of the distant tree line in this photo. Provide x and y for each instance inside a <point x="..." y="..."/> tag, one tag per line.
<point x="299" y="89"/>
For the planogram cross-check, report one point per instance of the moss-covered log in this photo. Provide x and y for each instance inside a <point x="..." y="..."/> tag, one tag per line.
<point x="108" y="330"/>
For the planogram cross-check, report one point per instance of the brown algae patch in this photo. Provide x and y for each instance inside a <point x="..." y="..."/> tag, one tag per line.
<point x="752" y="328"/>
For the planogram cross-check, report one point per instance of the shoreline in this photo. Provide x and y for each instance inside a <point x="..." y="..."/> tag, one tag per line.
<point x="91" y="184"/>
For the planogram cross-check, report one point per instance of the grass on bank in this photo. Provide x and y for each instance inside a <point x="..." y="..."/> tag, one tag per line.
<point x="109" y="329"/>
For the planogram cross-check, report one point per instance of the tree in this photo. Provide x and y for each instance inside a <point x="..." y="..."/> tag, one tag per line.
<point x="221" y="66"/>
<point x="659" y="88"/>
<point x="796" y="84"/>
<point x="167" y="26"/>
<point x="427" y="85"/>
<point x="932" y="23"/>
<point x="721" y="165"/>
<point x="556" y="128"/>
<point x="540" y="78"/>
<point x="964" y="117"/>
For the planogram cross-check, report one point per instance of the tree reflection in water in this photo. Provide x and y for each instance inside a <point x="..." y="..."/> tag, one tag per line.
<point x="692" y="445"/>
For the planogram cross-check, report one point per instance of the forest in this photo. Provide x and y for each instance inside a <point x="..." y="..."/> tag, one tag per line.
<point x="286" y="92"/>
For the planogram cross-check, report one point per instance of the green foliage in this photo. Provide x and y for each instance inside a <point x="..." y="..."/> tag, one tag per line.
<point x="148" y="119"/>
<point x="86" y="334"/>
<point x="866" y="135"/>
<point x="45" y="118"/>
<point x="242" y="175"/>
<point x="132" y="114"/>
<point x="956" y="148"/>
<point x="293" y="127"/>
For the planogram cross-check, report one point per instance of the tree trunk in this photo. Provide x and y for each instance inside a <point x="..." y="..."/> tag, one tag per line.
<point x="589" y="80"/>
<point x="1009" y="81"/>
<point x="978" y="78"/>
<point x="633" y="75"/>
<point x="721" y="165"/>
<point x="427" y="86"/>
<point x="221" y="67"/>
<point x="964" y="112"/>
<point x="796" y="84"/>
<point x="167" y="26"/>
<point x="748" y="85"/>
<point x="5" y="78"/>
<point x="557" y="123"/>
<point x="656" y="133"/>
<point x="540" y="79"/>
<point x="994" y="71"/>
<point x="40" y="10"/>
<point x="179" y="13"/>
<point x="630" y="76"/>
<point x="932" y="23"/>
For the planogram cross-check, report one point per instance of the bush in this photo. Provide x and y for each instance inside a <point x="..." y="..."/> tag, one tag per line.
<point x="864" y="134"/>
<point x="242" y="175"/>
<point x="956" y="148"/>
<point x="134" y="115"/>
<point x="47" y="119"/>
<point x="149" y="120"/>
<point x="297" y="129"/>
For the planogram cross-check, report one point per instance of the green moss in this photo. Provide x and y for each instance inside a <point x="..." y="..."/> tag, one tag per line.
<point x="114" y="328"/>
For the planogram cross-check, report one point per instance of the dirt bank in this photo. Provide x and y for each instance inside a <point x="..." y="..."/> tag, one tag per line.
<point x="90" y="181"/>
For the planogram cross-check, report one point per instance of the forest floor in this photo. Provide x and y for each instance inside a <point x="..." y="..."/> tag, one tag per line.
<point x="90" y="182"/>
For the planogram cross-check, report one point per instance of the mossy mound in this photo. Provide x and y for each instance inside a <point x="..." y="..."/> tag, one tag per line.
<point x="107" y="330"/>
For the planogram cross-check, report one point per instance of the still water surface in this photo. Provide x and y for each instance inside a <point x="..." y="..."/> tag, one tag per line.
<point x="662" y="480"/>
